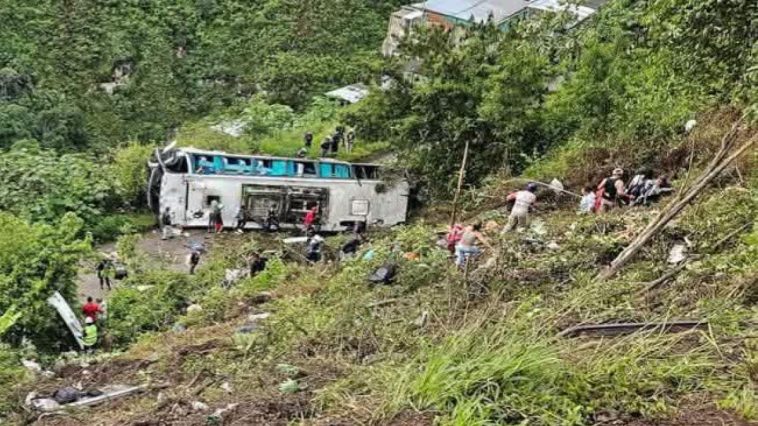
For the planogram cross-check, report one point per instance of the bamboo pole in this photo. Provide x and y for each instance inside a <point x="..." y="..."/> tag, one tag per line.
<point x="461" y="174"/>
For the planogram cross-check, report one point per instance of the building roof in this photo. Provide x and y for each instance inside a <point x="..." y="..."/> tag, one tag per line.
<point x="480" y="10"/>
<point x="581" y="12"/>
<point x="352" y="93"/>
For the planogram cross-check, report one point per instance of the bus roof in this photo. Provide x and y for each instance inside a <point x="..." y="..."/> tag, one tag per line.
<point x="192" y="150"/>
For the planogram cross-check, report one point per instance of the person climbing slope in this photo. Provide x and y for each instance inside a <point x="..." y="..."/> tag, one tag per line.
<point x="522" y="203"/>
<point x="89" y="337"/>
<point x="467" y="246"/>
<point x="611" y="191"/>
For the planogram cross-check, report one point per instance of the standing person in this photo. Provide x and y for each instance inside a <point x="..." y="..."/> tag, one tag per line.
<point x="91" y="309"/>
<point x="335" y="143"/>
<point x="108" y="273"/>
<point x="612" y="191"/>
<point x="587" y="203"/>
<point x="166" y="230"/>
<point x="349" y="141"/>
<point x="212" y="216"/>
<point x="467" y="246"/>
<point x="193" y="260"/>
<point x="89" y="338"/>
<point x="218" y="221"/>
<point x="301" y="153"/>
<point x="522" y="202"/>
<point x="313" y="245"/>
<point x="310" y="217"/>
<point x="326" y="146"/>
<point x="271" y="223"/>
<point x="241" y="217"/>
<point x="99" y="268"/>
<point x="308" y="140"/>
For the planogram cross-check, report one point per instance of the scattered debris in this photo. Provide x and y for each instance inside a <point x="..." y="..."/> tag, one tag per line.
<point x="232" y="276"/>
<point x="73" y="397"/>
<point x="289" y="386"/>
<point x="226" y="387"/>
<point x="218" y="416"/>
<point x="258" y="317"/>
<point x="199" y="406"/>
<point x="194" y="308"/>
<point x="689" y="125"/>
<point x="421" y="321"/>
<point x="261" y="298"/>
<point x="381" y="303"/>
<point x="629" y="327"/>
<point x="32" y="366"/>
<point x="288" y="370"/>
<point x="677" y="254"/>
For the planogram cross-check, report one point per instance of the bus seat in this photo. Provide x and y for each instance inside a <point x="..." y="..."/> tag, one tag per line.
<point x="278" y="168"/>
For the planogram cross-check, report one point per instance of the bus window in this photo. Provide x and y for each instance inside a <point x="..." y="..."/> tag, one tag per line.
<point x="342" y="171"/>
<point x="326" y="170"/>
<point x="305" y="168"/>
<point x="179" y="165"/>
<point x="204" y="166"/>
<point x="235" y="165"/>
<point x="278" y="168"/>
<point x="372" y="172"/>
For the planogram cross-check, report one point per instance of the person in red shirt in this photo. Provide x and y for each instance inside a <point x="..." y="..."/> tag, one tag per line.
<point x="310" y="217"/>
<point x="91" y="309"/>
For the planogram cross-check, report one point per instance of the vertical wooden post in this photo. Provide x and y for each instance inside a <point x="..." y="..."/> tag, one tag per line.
<point x="461" y="173"/>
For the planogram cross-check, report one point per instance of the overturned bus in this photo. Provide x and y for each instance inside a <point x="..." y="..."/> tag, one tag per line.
<point x="187" y="181"/>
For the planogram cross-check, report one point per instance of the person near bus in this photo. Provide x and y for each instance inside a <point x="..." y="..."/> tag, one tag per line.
<point x="89" y="337"/>
<point x="167" y="231"/>
<point x="241" y="217"/>
<point x="308" y="140"/>
<point x="349" y="140"/>
<point x="313" y="245"/>
<point x="522" y="203"/>
<point x="310" y="217"/>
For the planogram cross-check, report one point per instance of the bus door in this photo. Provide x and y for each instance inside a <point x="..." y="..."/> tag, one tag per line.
<point x="259" y="200"/>
<point x="301" y="198"/>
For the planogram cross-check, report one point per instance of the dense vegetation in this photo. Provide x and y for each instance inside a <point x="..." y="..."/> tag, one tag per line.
<point x="88" y="88"/>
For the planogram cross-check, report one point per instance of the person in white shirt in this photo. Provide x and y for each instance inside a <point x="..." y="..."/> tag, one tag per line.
<point x="524" y="200"/>
<point x="587" y="204"/>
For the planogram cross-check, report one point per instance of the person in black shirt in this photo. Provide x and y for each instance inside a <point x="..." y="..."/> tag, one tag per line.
<point x="257" y="263"/>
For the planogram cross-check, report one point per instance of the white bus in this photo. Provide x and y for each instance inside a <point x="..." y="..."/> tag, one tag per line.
<point x="188" y="180"/>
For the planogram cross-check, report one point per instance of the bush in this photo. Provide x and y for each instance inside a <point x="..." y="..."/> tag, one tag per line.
<point x="131" y="172"/>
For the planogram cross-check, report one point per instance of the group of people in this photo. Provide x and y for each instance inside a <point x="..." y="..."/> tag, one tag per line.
<point x="612" y="192"/>
<point x="94" y="315"/>
<point x="330" y="146"/>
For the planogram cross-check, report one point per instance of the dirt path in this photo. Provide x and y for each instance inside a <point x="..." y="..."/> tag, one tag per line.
<point x="170" y="254"/>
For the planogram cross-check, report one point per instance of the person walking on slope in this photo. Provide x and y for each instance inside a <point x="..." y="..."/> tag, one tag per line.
<point x="522" y="203"/>
<point x="193" y="260"/>
<point x="467" y="246"/>
<point x="611" y="191"/>
<point x="241" y="217"/>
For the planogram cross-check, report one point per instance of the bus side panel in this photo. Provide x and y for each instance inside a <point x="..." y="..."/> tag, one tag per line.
<point x="203" y="190"/>
<point x="173" y="195"/>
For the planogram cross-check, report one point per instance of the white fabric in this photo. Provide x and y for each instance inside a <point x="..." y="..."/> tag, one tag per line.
<point x="524" y="199"/>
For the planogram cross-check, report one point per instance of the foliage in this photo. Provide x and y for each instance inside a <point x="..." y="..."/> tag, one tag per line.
<point x="86" y="74"/>
<point x="43" y="186"/>
<point x="130" y="171"/>
<point x="35" y="261"/>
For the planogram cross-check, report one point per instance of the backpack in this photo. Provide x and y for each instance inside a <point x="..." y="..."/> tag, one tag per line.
<point x="609" y="189"/>
<point x="384" y="274"/>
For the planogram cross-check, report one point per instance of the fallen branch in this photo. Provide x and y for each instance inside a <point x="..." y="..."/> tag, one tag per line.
<point x="631" y="327"/>
<point x="719" y="163"/>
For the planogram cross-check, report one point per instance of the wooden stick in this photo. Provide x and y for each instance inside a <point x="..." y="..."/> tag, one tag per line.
<point x="461" y="173"/>
<point x="663" y="278"/>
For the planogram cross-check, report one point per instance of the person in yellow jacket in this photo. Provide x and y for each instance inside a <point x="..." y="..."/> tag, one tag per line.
<point x="89" y="338"/>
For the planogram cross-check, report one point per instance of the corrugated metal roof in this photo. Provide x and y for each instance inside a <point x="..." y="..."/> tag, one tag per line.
<point x="352" y="93"/>
<point x="480" y="10"/>
<point x="581" y="12"/>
